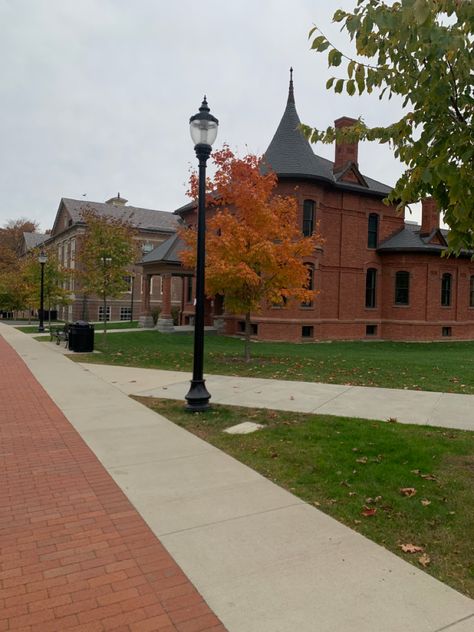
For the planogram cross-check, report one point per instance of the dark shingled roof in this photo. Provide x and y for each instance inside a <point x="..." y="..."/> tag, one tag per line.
<point x="290" y="155"/>
<point x="32" y="240"/>
<point x="167" y="252"/>
<point x="143" y="218"/>
<point x="410" y="240"/>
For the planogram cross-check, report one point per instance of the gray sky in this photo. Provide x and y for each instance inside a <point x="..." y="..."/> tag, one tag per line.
<point x="96" y="95"/>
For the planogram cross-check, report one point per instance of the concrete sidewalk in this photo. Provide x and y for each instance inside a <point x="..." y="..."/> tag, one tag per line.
<point x="448" y="410"/>
<point x="262" y="559"/>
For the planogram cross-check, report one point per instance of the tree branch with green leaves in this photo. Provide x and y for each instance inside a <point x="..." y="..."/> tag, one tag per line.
<point x="421" y="51"/>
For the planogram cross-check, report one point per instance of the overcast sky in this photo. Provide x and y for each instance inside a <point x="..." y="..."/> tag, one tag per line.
<point x="96" y="95"/>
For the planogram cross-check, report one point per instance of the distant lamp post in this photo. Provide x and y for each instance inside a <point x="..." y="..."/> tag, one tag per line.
<point x="42" y="258"/>
<point x="132" y="283"/>
<point x="203" y="132"/>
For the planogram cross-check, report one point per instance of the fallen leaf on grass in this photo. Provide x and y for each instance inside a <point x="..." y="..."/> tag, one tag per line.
<point x="424" y="560"/>
<point x="425" y="502"/>
<point x="407" y="491"/>
<point x="428" y="477"/>
<point x="411" y="548"/>
<point x="367" y="512"/>
<point x="363" y="459"/>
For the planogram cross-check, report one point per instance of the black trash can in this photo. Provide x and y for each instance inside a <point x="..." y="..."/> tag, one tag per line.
<point x="81" y="336"/>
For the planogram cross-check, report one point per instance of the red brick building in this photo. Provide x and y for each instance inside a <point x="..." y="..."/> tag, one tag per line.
<point x="378" y="276"/>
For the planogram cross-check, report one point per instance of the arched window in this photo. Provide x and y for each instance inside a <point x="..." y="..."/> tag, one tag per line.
<point x="446" y="282"/>
<point x="310" y="285"/>
<point x="402" y="288"/>
<point x="370" y="287"/>
<point x="373" y="231"/>
<point x="308" y="218"/>
<point x="471" y="291"/>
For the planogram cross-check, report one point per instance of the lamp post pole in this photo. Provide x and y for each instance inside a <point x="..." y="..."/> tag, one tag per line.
<point x="132" y="279"/>
<point x="203" y="132"/>
<point x="42" y="258"/>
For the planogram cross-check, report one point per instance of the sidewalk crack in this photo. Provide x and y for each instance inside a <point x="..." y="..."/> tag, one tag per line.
<point x="450" y="626"/>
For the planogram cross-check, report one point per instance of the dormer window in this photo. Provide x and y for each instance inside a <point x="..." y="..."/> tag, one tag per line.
<point x="147" y="247"/>
<point x="308" y="218"/>
<point x="373" y="231"/>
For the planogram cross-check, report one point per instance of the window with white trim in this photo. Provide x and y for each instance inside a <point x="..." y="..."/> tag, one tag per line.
<point x="101" y="313"/>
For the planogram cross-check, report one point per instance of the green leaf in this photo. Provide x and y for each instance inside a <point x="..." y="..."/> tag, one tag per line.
<point x="350" y="87"/>
<point x="318" y="42"/>
<point x="329" y="83"/>
<point x="334" y="57"/>
<point x="421" y="11"/>
<point x="339" y="85"/>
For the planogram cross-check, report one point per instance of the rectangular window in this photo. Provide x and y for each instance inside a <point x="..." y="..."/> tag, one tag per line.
<point x="253" y="328"/>
<point x="371" y="330"/>
<point x="471" y="291"/>
<point x="101" y="312"/>
<point x="308" y="218"/>
<point x="307" y="331"/>
<point x="446" y="289"/>
<point x="373" y="230"/>
<point x="189" y="290"/>
<point x="128" y="280"/>
<point x="402" y="288"/>
<point x="446" y="331"/>
<point x="370" y="287"/>
<point x="125" y="313"/>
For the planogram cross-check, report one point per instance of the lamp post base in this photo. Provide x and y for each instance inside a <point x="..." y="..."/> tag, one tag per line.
<point x="41" y="329"/>
<point x="198" y="397"/>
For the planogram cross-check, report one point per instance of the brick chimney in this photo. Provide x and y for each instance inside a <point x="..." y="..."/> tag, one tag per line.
<point x="345" y="152"/>
<point x="429" y="216"/>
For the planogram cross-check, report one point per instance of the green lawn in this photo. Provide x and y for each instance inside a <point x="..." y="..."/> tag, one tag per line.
<point x="354" y="470"/>
<point x="441" y="366"/>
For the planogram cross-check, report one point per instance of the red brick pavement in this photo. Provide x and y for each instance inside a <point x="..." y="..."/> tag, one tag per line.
<point x="74" y="553"/>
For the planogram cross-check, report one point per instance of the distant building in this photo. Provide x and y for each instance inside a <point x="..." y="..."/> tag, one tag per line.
<point x="153" y="228"/>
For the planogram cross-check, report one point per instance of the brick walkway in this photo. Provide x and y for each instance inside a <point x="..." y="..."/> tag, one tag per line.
<point x="74" y="553"/>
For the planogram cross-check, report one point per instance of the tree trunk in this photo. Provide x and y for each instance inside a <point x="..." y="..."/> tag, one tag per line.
<point x="247" y="337"/>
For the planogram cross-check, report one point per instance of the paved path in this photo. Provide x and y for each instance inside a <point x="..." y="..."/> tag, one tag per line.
<point x="262" y="559"/>
<point x="419" y="407"/>
<point x="74" y="553"/>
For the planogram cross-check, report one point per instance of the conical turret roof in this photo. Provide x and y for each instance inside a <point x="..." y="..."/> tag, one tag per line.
<point x="290" y="155"/>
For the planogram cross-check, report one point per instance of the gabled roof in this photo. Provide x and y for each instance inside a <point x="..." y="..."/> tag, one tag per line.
<point x="144" y="218"/>
<point x="33" y="240"/>
<point x="166" y="252"/>
<point x="290" y="155"/>
<point x="409" y="239"/>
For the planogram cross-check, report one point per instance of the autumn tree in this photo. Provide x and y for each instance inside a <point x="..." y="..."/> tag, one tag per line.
<point x="420" y="50"/>
<point x="56" y="283"/>
<point x="11" y="240"/>
<point x="14" y="291"/>
<point x="254" y="248"/>
<point x="108" y="248"/>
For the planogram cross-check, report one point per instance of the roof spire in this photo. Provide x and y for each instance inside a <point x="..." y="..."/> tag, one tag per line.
<point x="291" y="95"/>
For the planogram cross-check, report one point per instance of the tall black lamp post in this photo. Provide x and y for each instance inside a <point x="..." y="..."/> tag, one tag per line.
<point x="42" y="258"/>
<point x="203" y="132"/>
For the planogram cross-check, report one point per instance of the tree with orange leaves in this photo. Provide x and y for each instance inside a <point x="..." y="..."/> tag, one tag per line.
<point x="254" y="247"/>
